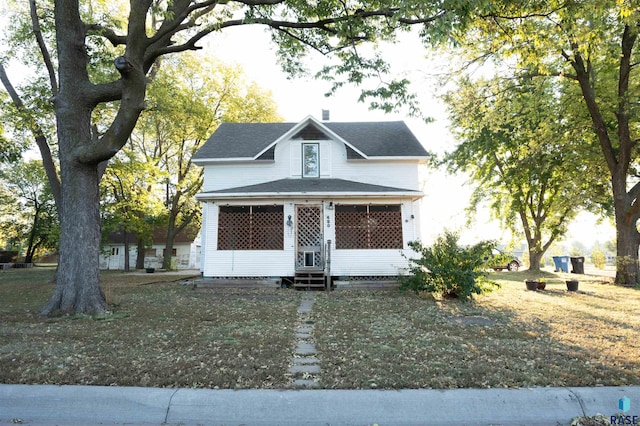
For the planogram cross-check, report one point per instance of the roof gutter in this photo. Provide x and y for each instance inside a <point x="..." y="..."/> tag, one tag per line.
<point x="207" y="196"/>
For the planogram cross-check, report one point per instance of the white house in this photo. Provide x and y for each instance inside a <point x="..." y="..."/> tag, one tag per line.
<point x="309" y="199"/>
<point x="185" y="254"/>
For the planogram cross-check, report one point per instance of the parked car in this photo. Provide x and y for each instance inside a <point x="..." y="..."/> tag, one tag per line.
<point x="499" y="261"/>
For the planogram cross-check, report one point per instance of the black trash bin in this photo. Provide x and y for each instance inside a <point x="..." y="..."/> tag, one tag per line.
<point x="578" y="265"/>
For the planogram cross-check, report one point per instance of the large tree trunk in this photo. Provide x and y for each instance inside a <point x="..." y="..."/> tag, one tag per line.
<point x="141" y="253"/>
<point x="83" y="154"/>
<point x="626" y="204"/>
<point x="534" y="259"/>
<point x="168" y="257"/>
<point x="628" y="239"/>
<point x="31" y="248"/>
<point x="168" y="248"/>
<point x="78" y="276"/>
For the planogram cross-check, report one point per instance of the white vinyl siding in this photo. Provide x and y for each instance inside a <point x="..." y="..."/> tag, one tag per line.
<point x="333" y="164"/>
<point x="242" y="263"/>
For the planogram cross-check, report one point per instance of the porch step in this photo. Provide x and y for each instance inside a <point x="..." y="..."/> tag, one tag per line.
<point x="309" y="280"/>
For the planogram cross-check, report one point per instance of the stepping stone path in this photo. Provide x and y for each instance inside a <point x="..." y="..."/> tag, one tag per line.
<point x="305" y="367"/>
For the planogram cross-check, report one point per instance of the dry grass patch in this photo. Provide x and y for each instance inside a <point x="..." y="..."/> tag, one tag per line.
<point x="509" y="338"/>
<point x="168" y="335"/>
<point x="160" y="334"/>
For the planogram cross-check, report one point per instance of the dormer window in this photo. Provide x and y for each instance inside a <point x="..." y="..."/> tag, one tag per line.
<point x="310" y="160"/>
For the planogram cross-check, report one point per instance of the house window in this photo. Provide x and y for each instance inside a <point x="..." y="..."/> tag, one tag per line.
<point x="174" y="252"/>
<point x="115" y="251"/>
<point x="251" y="228"/>
<point x="368" y="227"/>
<point x="150" y="252"/>
<point x="310" y="160"/>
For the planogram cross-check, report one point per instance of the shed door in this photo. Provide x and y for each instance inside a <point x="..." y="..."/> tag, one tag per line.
<point x="309" y="253"/>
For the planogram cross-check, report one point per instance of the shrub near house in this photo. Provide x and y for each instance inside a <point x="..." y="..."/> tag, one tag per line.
<point x="448" y="269"/>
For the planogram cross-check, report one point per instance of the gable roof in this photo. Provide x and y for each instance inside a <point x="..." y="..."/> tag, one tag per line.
<point x="363" y="139"/>
<point x="309" y="187"/>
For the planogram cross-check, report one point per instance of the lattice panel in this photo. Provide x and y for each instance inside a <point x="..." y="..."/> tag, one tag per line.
<point x="351" y="230"/>
<point x="267" y="231"/>
<point x="385" y="229"/>
<point x="234" y="228"/>
<point x="250" y="228"/>
<point x="368" y="227"/>
<point x="309" y="234"/>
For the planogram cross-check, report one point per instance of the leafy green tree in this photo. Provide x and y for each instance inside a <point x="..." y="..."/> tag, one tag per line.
<point x="524" y="156"/>
<point x="130" y="201"/>
<point x="577" y="249"/>
<point x="187" y="100"/>
<point x="28" y="217"/>
<point x="593" y="46"/>
<point x="10" y="150"/>
<point x="141" y="33"/>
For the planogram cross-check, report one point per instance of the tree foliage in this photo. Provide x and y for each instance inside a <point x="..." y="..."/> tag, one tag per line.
<point x="593" y="46"/>
<point x="130" y="202"/>
<point x="28" y="218"/>
<point x="188" y="98"/>
<point x="526" y="156"/>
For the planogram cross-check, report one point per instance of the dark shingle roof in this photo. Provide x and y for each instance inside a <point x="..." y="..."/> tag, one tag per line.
<point x="375" y="139"/>
<point x="296" y="186"/>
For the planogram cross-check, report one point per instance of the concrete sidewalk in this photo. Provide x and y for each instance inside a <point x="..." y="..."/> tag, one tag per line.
<point x="89" y="405"/>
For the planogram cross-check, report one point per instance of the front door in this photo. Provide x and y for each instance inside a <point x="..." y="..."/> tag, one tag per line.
<point x="309" y="238"/>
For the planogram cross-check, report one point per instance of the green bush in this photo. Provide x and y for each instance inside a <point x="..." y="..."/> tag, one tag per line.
<point x="448" y="269"/>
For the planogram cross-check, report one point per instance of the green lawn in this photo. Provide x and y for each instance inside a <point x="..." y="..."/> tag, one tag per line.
<point x="167" y="334"/>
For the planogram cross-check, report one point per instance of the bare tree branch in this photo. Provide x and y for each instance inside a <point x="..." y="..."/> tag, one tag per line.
<point x="108" y="33"/>
<point x="622" y="113"/>
<point x="280" y="25"/>
<point x="40" y="139"/>
<point x="37" y="32"/>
